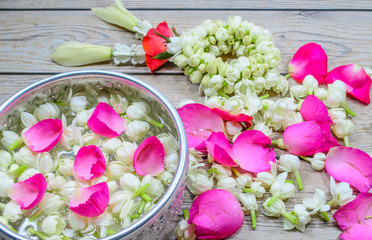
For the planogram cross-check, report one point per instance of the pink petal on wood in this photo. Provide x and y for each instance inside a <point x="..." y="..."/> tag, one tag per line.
<point x="350" y="165"/>
<point x="251" y="150"/>
<point x="199" y="122"/>
<point x="90" y="201"/>
<point x="303" y="138"/>
<point x="357" y="81"/>
<point x="216" y="214"/>
<point x="236" y="118"/>
<point x="106" y="122"/>
<point x="149" y="157"/>
<point x="44" y="135"/>
<point x="328" y="140"/>
<point x="220" y="149"/>
<point x="358" y="232"/>
<point x="29" y="192"/>
<point x="313" y="109"/>
<point x="310" y="59"/>
<point x="89" y="163"/>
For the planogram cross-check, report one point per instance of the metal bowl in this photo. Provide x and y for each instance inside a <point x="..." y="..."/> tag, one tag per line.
<point x="154" y="224"/>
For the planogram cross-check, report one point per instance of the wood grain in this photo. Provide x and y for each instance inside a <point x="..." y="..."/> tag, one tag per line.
<point x="28" y="40"/>
<point x="190" y="4"/>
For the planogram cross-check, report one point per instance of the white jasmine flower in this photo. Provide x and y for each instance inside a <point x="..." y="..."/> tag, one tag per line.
<point x="9" y="137"/>
<point x="265" y="47"/>
<point x="71" y="135"/>
<point x="76" y="221"/>
<point x="118" y="200"/>
<point x="317" y="161"/>
<point x="341" y="193"/>
<point x="53" y="224"/>
<point x="12" y="211"/>
<point x="232" y="128"/>
<point x="27" y="174"/>
<point x="291" y="163"/>
<point x="115" y="170"/>
<point x="82" y="117"/>
<point x="54" y="182"/>
<point x="25" y="156"/>
<point x="184" y="231"/>
<point x="169" y="142"/>
<point x="141" y="28"/>
<point x="105" y="219"/>
<point x="27" y="119"/>
<point x="244" y="180"/>
<point x="125" y="152"/>
<point x="78" y="103"/>
<point x="47" y="110"/>
<point x="317" y="203"/>
<point x="337" y="113"/>
<point x="196" y="77"/>
<point x="222" y="35"/>
<point x="180" y="60"/>
<point x="228" y="184"/>
<point x="257" y="189"/>
<point x="321" y="93"/>
<point x="298" y="91"/>
<point x="171" y="161"/>
<point x="123" y="54"/>
<point x="6" y="159"/>
<point x="281" y="86"/>
<point x="7" y="182"/>
<point x="336" y="94"/>
<point x="50" y="203"/>
<point x="129" y="207"/>
<point x="130" y="182"/>
<point x="282" y="109"/>
<point x="275" y="210"/>
<point x="156" y="188"/>
<point x="342" y="128"/>
<point x="210" y="26"/>
<point x="166" y="177"/>
<point x="310" y="83"/>
<point x="281" y="189"/>
<point x="294" y="118"/>
<point x="252" y="103"/>
<point x="119" y="103"/>
<point x="91" y="139"/>
<point x="263" y="128"/>
<point x="198" y="181"/>
<point x="45" y="163"/>
<point x="137" y="130"/>
<point x="68" y="189"/>
<point x="248" y="200"/>
<point x="267" y="178"/>
<point x="110" y="145"/>
<point x="303" y="218"/>
<point x="220" y="171"/>
<point x="65" y="166"/>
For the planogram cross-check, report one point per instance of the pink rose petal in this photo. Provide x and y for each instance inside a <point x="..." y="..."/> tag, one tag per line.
<point x="44" y="135"/>
<point x="106" y="122"/>
<point x="350" y="165"/>
<point x="313" y="109"/>
<point x="328" y="140"/>
<point x="236" y="118"/>
<point x="220" y="149"/>
<point x="29" y="192"/>
<point x="354" y="218"/>
<point x="89" y="163"/>
<point x="251" y="150"/>
<point x="90" y="201"/>
<point x="357" y="81"/>
<point x="216" y="214"/>
<point x="199" y="122"/>
<point x="149" y="157"/>
<point x="303" y="138"/>
<point x="310" y="59"/>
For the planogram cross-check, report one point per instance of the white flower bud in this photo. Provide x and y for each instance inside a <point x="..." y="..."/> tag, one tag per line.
<point x="54" y="182"/>
<point x="282" y="189"/>
<point x="51" y="203"/>
<point x="53" y="224"/>
<point x="342" y="128"/>
<point x="263" y="128"/>
<point x="82" y="117"/>
<point x="188" y="50"/>
<point x="76" y="221"/>
<point x="310" y="83"/>
<point x="244" y="180"/>
<point x="222" y="34"/>
<point x="275" y="210"/>
<point x="267" y="178"/>
<point x="169" y="142"/>
<point x="130" y="182"/>
<point x="117" y="200"/>
<point x="105" y="219"/>
<point x="25" y="156"/>
<point x="156" y="188"/>
<point x="137" y="130"/>
<point x="321" y="93"/>
<point x="303" y="218"/>
<point x="68" y="189"/>
<point x="257" y="189"/>
<point x="248" y="200"/>
<point x="184" y="231"/>
<point x="194" y="60"/>
<point x="12" y="211"/>
<point x="78" y="103"/>
<point x="232" y="128"/>
<point x="6" y="182"/>
<point x="171" y="161"/>
<point x="180" y="60"/>
<point x="110" y="145"/>
<point x="119" y="103"/>
<point x="116" y="169"/>
<point x="166" y="177"/>
<point x="71" y="135"/>
<point x="44" y="163"/>
<point x="317" y="203"/>
<point x="341" y="193"/>
<point x="196" y="77"/>
<point x="91" y="139"/>
<point x="9" y="137"/>
<point x="317" y="162"/>
<point x="137" y="111"/>
<point x="125" y="152"/>
<point x="289" y="163"/>
<point x="198" y="181"/>
<point x="27" y="119"/>
<point x="5" y="159"/>
<point x="298" y="91"/>
<point x="27" y="174"/>
<point x="46" y="111"/>
<point x="337" y="113"/>
<point x="219" y="171"/>
<point x="228" y="184"/>
<point x="127" y="209"/>
<point x="65" y="166"/>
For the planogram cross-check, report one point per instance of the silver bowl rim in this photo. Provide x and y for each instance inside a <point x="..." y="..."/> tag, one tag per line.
<point x="183" y="151"/>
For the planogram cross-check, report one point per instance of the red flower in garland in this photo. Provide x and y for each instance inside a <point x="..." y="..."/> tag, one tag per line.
<point x="155" y="45"/>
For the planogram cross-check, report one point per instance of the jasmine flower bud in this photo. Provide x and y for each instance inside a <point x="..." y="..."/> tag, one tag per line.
<point x="7" y="182"/>
<point x="169" y="142"/>
<point x="232" y="128"/>
<point x="117" y="200"/>
<point x="137" y="130"/>
<point x="232" y="74"/>
<point x="129" y="182"/>
<point x="298" y="91"/>
<point x="125" y="152"/>
<point x="78" y="103"/>
<point x="116" y="169"/>
<point x="119" y="103"/>
<point x="263" y="128"/>
<point x="321" y="93"/>
<point x="188" y="51"/>
<point x="247" y="40"/>
<point x="220" y="171"/>
<point x="71" y="135"/>
<point x="291" y="163"/>
<point x="337" y="113"/>
<point x="68" y="189"/>
<point x="53" y="224"/>
<point x="44" y="163"/>
<point x="228" y="184"/>
<point x="275" y="209"/>
<point x="27" y="174"/>
<point x="171" y="161"/>
<point x="303" y="218"/>
<point x="110" y="145"/>
<point x="137" y="111"/>
<point x="105" y="219"/>
<point x="214" y="50"/>
<point x="281" y="189"/>
<point x="244" y="180"/>
<point x="166" y="177"/>
<point x="198" y="181"/>
<point x="196" y="77"/>
<point x="341" y="193"/>
<point x="76" y="221"/>
<point x="27" y="119"/>
<point x="310" y="83"/>
<point x="50" y="203"/>
<point x="83" y="116"/>
<point x="55" y="182"/>
<point x="5" y="159"/>
<point x="25" y="156"/>
<point x="91" y="139"/>
<point x="222" y="35"/>
<point x="12" y="211"/>
<point x="343" y="129"/>
<point x="9" y="137"/>
<point x="210" y="26"/>
<point x="156" y="188"/>
<point x="317" y="203"/>
<point x="180" y="61"/>
<point x="194" y="60"/>
<point x="221" y="67"/>
<point x="47" y="110"/>
<point x="317" y="161"/>
<point x="184" y="231"/>
<point x="65" y="166"/>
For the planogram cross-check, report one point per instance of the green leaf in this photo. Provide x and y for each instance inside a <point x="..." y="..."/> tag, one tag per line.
<point x="174" y="32"/>
<point x="161" y="35"/>
<point x="163" y="55"/>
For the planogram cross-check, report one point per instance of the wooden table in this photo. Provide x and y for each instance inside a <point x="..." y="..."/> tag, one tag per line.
<point x="31" y="29"/>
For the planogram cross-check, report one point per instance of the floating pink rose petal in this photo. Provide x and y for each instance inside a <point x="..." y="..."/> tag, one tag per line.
<point x="90" y="201"/>
<point x="29" y="192"/>
<point x="106" y="122"/>
<point x="89" y="163"/>
<point x="251" y="150"/>
<point x="236" y="118"/>
<point x="199" y="122"/>
<point x="44" y="135"/>
<point x="350" y="165"/>
<point x="220" y="149"/>
<point x="303" y="138"/>
<point x="216" y="214"/>
<point x="357" y="81"/>
<point x="310" y="59"/>
<point x="149" y="157"/>
<point x="354" y="218"/>
<point x="313" y="109"/>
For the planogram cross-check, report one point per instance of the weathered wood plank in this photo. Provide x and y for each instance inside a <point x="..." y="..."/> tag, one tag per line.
<point x="28" y="39"/>
<point x="203" y="4"/>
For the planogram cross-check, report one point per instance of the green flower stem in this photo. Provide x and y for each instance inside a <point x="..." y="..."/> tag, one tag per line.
<point x="289" y="181"/>
<point x="287" y="75"/>
<point x="16" y="144"/>
<point x="298" y="179"/>
<point x="186" y="214"/>
<point x="306" y="158"/>
<point x="37" y="233"/>
<point x="17" y="172"/>
<point x="132" y="217"/>
<point x="145" y="197"/>
<point x="141" y="207"/>
<point x="96" y="235"/>
<point x="274" y="142"/>
<point x="236" y="172"/>
<point x="248" y="190"/>
<point x="310" y="92"/>
<point x="346" y="141"/>
<point x="264" y="96"/>
<point x="140" y="190"/>
<point x="325" y="216"/>
<point x="332" y="202"/>
<point x="368" y="217"/>
<point x="109" y="232"/>
<point x="153" y="122"/>
<point x="265" y="107"/>
<point x="222" y="94"/>
<point x="34" y="216"/>
<point x="348" y="110"/>
<point x="273" y="199"/>
<point x="66" y="238"/>
<point x="288" y="216"/>
<point x="2" y="206"/>
<point x="253" y="217"/>
<point x="212" y="170"/>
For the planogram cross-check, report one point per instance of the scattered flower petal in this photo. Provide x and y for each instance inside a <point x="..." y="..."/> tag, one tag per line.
<point x="89" y="163"/>
<point x="350" y="165"/>
<point x="220" y="149"/>
<point x="236" y="118"/>
<point x="149" y="157"/>
<point x="106" y="122"/>
<point x="28" y="193"/>
<point x="44" y="135"/>
<point x="313" y="109"/>
<point x="90" y="201"/>
<point x="310" y="59"/>
<point x="216" y="214"/>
